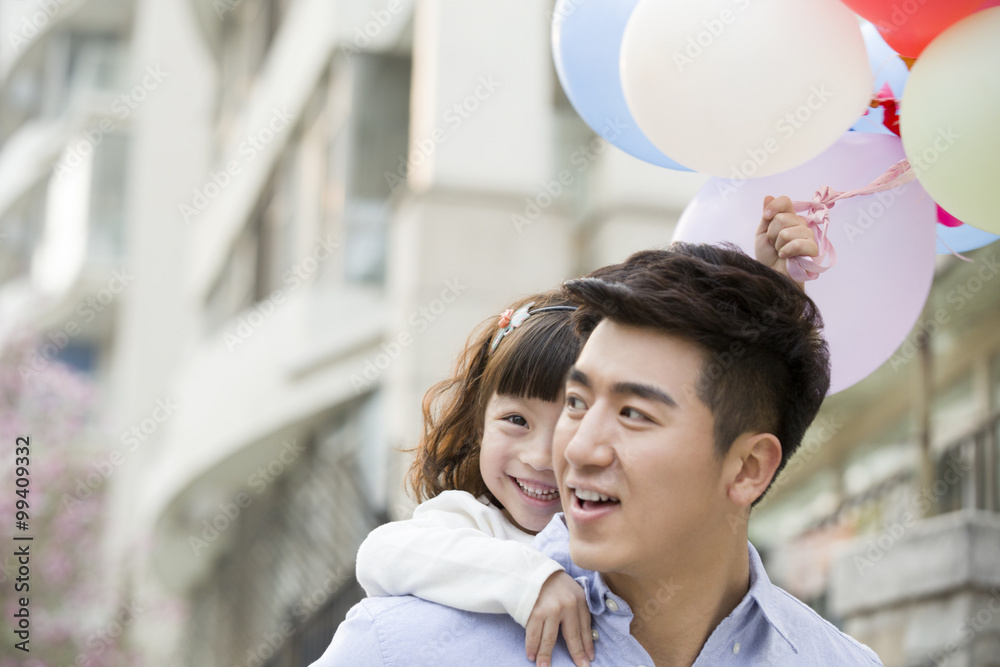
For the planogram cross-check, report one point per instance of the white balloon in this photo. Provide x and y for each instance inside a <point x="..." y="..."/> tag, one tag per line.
<point x="740" y="89"/>
<point x="949" y="119"/>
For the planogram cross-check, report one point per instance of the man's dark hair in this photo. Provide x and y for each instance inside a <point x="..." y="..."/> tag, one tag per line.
<point x="766" y="369"/>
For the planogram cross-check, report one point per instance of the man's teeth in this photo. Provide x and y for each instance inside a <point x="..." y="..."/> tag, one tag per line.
<point x="536" y="492"/>
<point x="584" y="494"/>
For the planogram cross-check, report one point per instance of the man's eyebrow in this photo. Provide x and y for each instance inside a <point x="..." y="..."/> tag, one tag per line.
<point x="578" y="376"/>
<point x="646" y="391"/>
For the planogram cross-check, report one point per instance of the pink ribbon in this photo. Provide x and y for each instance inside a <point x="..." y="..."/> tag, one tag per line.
<point x="817" y="214"/>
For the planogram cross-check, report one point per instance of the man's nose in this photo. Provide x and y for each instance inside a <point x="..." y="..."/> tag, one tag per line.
<point x="591" y="444"/>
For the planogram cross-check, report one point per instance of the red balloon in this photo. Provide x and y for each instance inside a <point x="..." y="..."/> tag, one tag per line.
<point x="910" y="25"/>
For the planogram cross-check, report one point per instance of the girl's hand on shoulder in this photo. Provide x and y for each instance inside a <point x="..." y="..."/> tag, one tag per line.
<point x="561" y="602"/>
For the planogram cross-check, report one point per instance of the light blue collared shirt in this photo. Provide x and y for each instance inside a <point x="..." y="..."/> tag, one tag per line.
<point x="769" y="628"/>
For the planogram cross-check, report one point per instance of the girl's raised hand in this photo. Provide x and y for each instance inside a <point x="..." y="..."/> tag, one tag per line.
<point x="782" y="234"/>
<point x="561" y="602"/>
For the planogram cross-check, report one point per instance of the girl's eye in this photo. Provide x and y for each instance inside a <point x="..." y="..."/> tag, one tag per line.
<point x="517" y="420"/>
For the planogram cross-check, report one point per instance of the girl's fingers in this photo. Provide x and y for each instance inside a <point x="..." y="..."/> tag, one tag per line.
<point x="773" y="207"/>
<point x="572" y="634"/>
<point x="588" y="637"/>
<point x="532" y="635"/>
<point x="550" y="632"/>
<point x="796" y="241"/>
<point x="784" y="221"/>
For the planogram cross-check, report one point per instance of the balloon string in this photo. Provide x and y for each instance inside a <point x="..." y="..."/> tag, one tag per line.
<point x="817" y="215"/>
<point x="960" y="256"/>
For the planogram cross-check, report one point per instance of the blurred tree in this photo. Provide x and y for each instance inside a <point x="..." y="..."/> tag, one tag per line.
<point x="74" y="612"/>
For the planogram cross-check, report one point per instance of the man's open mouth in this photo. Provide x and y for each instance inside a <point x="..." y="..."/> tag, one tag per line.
<point x="588" y="499"/>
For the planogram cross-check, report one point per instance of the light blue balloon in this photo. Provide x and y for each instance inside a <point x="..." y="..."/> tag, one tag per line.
<point x="962" y="239"/>
<point x="887" y="67"/>
<point x="586" y="46"/>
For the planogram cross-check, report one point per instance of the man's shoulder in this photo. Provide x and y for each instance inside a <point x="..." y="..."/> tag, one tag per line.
<point x="813" y="634"/>
<point x="408" y="630"/>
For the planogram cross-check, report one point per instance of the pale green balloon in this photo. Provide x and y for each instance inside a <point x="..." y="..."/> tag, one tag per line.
<point x="950" y="119"/>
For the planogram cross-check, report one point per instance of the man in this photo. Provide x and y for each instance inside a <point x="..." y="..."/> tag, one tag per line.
<point x="699" y="373"/>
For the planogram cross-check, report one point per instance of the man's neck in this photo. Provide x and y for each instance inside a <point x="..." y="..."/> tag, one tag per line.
<point x="678" y="607"/>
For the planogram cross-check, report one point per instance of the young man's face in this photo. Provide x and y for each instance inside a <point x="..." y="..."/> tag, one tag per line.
<point x="634" y="429"/>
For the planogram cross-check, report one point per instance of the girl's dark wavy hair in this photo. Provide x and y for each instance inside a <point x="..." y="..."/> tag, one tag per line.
<point x="530" y="362"/>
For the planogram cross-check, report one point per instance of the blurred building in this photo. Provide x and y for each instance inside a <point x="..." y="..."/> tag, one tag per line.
<point x="286" y="217"/>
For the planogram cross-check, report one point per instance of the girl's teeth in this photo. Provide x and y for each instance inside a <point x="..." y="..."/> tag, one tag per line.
<point x="541" y="494"/>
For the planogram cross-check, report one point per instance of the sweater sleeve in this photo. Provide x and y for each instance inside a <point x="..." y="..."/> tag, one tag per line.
<point x="458" y="552"/>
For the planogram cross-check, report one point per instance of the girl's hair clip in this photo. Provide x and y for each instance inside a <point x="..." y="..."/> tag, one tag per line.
<point x="511" y="319"/>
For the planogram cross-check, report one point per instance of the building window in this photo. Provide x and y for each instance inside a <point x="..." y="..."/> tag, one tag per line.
<point x="379" y="135"/>
<point x="107" y="197"/>
<point x="20" y="232"/>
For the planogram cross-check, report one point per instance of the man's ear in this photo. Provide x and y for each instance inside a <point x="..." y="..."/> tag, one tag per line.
<point x="752" y="462"/>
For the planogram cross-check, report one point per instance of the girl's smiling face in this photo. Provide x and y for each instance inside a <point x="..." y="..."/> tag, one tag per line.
<point x="516" y="458"/>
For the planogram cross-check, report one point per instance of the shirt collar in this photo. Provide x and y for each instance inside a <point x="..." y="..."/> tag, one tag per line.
<point x="763" y="592"/>
<point x="553" y="541"/>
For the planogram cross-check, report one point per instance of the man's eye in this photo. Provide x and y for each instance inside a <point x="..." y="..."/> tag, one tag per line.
<point x="575" y="403"/>
<point x="632" y="413"/>
<point x="517" y="420"/>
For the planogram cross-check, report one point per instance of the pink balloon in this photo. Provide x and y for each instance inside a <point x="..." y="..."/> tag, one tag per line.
<point x="885" y="246"/>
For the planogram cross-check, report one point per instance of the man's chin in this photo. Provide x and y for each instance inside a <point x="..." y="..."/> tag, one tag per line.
<point x="595" y="556"/>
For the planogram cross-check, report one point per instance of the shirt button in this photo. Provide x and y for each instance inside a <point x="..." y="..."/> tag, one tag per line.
<point x="612" y="605"/>
<point x="593" y="633"/>
<point x="736" y="647"/>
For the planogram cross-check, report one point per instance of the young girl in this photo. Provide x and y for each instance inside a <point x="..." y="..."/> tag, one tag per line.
<point x="484" y="464"/>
